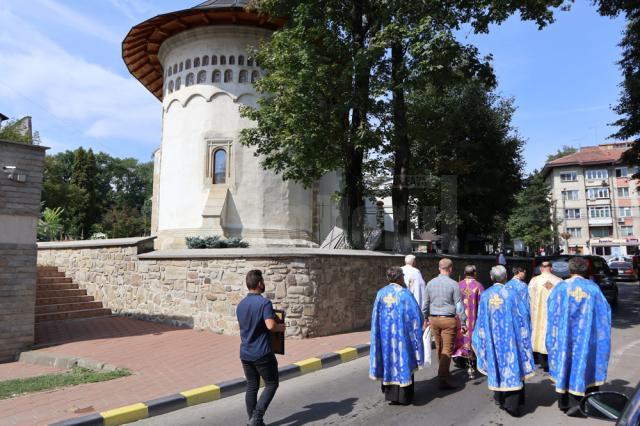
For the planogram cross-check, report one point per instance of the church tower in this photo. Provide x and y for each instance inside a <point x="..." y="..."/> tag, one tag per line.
<point x="198" y="63"/>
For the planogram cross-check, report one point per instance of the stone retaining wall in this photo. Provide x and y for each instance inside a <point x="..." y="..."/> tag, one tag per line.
<point x="323" y="292"/>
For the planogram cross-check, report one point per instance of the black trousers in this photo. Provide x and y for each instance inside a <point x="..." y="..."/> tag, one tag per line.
<point x="570" y="403"/>
<point x="267" y="369"/>
<point x="510" y="401"/>
<point x="399" y="395"/>
<point x="542" y="360"/>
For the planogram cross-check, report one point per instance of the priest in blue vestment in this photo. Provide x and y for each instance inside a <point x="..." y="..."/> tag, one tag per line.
<point x="518" y="284"/>
<point x="396" y="350"/>
<point x="502" y="342"/>
<point x="578" y="337"/>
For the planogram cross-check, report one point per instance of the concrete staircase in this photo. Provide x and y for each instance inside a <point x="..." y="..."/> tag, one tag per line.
<point x="58" y="298"/>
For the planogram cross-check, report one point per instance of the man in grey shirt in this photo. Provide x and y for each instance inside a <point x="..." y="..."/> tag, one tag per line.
<point x="441" y="302"/>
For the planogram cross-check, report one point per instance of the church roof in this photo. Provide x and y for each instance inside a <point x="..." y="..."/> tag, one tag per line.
<point x="141" y="45"/>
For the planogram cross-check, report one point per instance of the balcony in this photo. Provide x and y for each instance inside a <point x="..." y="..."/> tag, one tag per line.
<point x="600" y="221"/>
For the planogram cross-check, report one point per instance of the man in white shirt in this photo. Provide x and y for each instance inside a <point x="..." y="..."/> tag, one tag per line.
<point x="413" y="279"/>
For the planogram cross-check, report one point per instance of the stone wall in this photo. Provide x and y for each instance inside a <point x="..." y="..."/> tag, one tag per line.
<point x="323" y="292"/>
<point x="20" y="187"/>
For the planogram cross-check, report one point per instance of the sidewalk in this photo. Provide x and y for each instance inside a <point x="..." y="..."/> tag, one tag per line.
<point x="164" y="360"/>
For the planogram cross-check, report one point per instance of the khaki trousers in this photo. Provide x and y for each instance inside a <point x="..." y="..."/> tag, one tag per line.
<point x="444" y="331"/>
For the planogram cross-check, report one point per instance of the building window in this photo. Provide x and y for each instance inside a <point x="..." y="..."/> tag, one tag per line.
<point x="571" y="195"/>
<point x="202" y="76"/>
<point x="254" y="76"/>
<point x="597" y="193"/>
<point x="572" y="213"/>
<point x="602" y="251"/>
<point x="597" y="174"/>
<point x="249" y="61"/>
<point x="190" y="81"/>
<point x="623" y="192"/>
<point x="624" y="211"/>
<point x="214" y="60"/>
<point x="600" y="232"/>
<point x="567" y="176"/>
<point x="175" y="68"/>
<point x="196" y="62"/>
<point x="228" y="76"/>
<point x="232" y="60"/>
<point x="215" y="77"/>
<point x="171" y="86"/>
<point x="169" y="71"/>
<point x="220" y="166"/>
<point x="626" y="231"/>
<point x="205" y="60"/>
<point x="187" y="64"/>
<point x="243" y="77"/>
<point x="575" y="232"/>
<point x="178" y="83"/>
<point x="599" y="211"/>
<point x="622" y="171"/>
<point x="223" y="60"/>
<point x="181" y="66"/>
<point x="241" y="60"/>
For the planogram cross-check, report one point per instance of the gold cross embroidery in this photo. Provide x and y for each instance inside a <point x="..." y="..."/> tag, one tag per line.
<point x="578" y="294"/>
<point x="389" y="300"/>
<point x="495" y="302"/>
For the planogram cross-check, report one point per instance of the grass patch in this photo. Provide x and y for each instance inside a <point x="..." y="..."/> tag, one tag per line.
<point x="77" y="376"/>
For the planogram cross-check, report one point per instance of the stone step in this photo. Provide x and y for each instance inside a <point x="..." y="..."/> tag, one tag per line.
<point x="41" y="294"/>
<point x="40" y="301"/>
<point x="44" y="274"/>
<point x="56" y="286"/>
<point x="54" y="280"/>
<point x="67" y="307"/>
<point x="87" y="313"/>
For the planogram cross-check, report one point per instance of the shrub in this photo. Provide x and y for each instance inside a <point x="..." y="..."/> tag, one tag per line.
<point x="215" y="241"/>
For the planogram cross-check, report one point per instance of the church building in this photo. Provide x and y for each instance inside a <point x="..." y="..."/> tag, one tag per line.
<point x="198" y="63"/>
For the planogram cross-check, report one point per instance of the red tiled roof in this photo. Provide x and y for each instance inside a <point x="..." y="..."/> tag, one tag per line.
<point x="589" y="155"/>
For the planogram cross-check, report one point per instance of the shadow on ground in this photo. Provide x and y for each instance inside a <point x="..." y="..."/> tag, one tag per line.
<point x="628" y="312"/>
<point x="318" y="411"/>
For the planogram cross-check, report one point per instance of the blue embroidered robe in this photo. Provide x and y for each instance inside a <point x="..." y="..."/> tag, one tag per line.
<point x="396" y="336"/>
<point x="578" y="335"/>
<point x="522" y="290"/>
<point x="502" y="340"/>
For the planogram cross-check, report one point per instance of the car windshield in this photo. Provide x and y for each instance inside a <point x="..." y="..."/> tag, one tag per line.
<point x="620" y="265"/>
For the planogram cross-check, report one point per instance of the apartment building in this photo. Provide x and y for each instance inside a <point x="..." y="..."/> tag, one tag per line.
<point x="595" y="200"/>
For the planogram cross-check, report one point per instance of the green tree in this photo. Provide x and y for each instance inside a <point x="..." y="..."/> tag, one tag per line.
<point x="50" y="224"/>
<point x="531" y="219"/>
<point x="11" y="131"/>
<point x="561" y="152"/>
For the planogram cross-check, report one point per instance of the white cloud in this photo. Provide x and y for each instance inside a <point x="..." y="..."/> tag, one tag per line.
<point x="37" y="74"/>
<point x="135" y="10"/>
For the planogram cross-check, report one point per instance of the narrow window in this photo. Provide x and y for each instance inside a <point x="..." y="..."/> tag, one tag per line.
<point x="205" y="61"/>
<point x="243" y="77"/>
<point x="215" y="78"/>
<point x="196" y="62"/>
<point x="220" y="166"/>
<point x="228" y="76"/>
<point x="178" y="83"/>
<point x="214" y="60"/>
<point x="223" y="60"/>
<point x="249" y="61"/>
<point x="171" y="86"/>
<point x="169" y="71"/>
<point x="202" y="77"/>
<point x="232" y="60"/>
<point x="241" y="60"/>
<point x="181" y="67"/>
<point x="187" y="64"/>
<point x="255" y="75"/>
<point x="175" y="68"/>
<point x="190" y="80"/>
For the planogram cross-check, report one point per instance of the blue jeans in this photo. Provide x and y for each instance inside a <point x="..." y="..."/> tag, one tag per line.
<point x="267" y="368"/>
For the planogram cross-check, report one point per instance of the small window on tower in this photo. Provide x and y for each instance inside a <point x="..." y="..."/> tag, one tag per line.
<point x="196" y="62"/>
<point x="175" y="68"/>
<point x="178" y="83"/>
<point x="215" y="78"/>
<point x="171" y="86"/>
<point x="181" y="67"/>
<point x="214" y="60"/>
<point x="187" y="64"/>
<point x="202" y="77"/>
<point x="250" y="62"/>
<point x="241" y="60"/>
<point x="255" y="75"/>
<point x="232" y="60"/>
<point x="191" y="79"/>
<point x="243" y="77"/>
<point x="205" y="61"/>
<point x="228" y="76"/>
<point x="223" y="60"/>
<point x="169" y="71"/>
<point x="220" y="166"/>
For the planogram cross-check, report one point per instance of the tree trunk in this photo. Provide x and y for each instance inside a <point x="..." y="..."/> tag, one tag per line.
<point x="400" y="141"/>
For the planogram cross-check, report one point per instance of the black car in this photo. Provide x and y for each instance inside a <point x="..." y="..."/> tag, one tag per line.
<point x="625" y="270"/>
<point x="613" y="406"/>
<point x="599" y="272"/>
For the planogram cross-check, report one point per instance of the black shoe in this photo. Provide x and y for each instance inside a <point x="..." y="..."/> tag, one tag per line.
<point x="254" y="421"/>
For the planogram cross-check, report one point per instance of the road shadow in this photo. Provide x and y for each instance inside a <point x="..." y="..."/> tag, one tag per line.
<point x="619" y="385"/>
<point x="317" y="411"/>
<point x="627" y="314"/>
<point x="539" y="394"/>
<point x="427" y="390"/>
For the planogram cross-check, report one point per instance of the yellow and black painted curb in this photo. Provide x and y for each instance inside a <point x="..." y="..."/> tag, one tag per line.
<point x="166" y="404"/>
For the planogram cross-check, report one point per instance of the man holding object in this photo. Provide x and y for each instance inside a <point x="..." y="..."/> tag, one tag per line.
<point x="257" y="319"/>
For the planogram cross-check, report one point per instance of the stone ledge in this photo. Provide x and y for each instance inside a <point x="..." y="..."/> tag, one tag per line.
<point x="114" y="242"/>
<point x="270" y="252"/>
<point x="62" y="361"/>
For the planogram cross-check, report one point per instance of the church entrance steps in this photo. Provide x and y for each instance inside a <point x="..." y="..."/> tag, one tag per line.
<point x="59" y="298"/>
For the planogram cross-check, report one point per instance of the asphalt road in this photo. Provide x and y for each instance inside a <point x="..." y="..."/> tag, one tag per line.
<point x="344" y="395"/>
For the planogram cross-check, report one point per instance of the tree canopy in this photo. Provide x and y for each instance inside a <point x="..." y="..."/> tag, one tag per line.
<point x="561" y="152"/>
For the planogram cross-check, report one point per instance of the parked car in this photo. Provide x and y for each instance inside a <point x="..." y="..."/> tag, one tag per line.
<point x="625" y="270"/>
<point x="613" y="406"/>
<point x="599" y="272"/>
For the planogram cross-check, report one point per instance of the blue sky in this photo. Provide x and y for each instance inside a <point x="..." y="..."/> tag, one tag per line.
<point x="60" y="63"/>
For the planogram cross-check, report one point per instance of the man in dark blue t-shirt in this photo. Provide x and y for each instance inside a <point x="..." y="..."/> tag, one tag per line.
<point x="257" y="320"/>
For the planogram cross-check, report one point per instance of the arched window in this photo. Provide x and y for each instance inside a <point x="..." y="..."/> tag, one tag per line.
<point x="220" y="166"/>
<point x="241" y="60"/>
<point x="232" y="60"/>
<point x="205" y="61"/>
<point x="169" y="71"/>
<point x="250" y="62"/>
<point x="214" y="60"/>
<point x="223" y="60"/>
<point x="255" y="75"/>
<point x="228" y="76"/>
<point x="175" y="68"/>
<point x="202" y="77"/>
<point x="196" y="62"/>
<point x="243" y="77"/>
<point x="181" y="67"/>
<point x="171" y="86"/>
<point x="187" y="64"/>
<point x="190" y="81"/>
<point x="178" y="83"/>
<point x="215" y="77"/>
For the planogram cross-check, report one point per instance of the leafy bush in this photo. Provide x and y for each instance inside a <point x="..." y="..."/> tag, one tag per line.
<point x="215" y="241"/>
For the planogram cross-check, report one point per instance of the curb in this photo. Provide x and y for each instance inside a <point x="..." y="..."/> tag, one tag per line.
<point x="166" y="404"/>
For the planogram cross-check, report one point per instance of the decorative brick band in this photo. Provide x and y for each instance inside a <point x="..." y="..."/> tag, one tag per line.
<point x="166" y="404"/>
